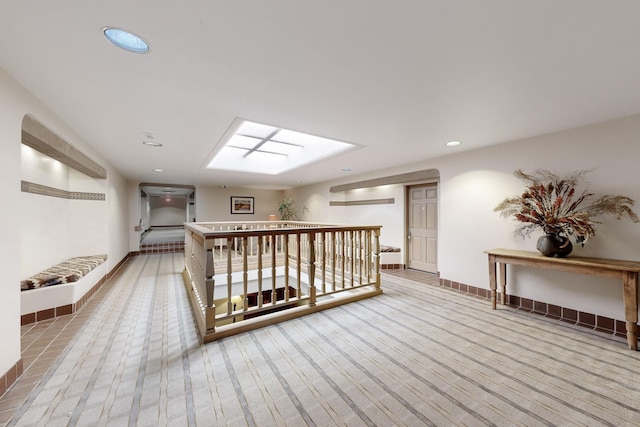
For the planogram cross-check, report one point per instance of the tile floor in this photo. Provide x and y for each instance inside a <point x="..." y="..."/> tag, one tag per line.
<point x="42" y="344"/>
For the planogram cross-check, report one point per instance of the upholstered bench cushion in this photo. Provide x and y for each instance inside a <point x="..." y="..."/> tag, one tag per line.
<point x="68" y="271"/>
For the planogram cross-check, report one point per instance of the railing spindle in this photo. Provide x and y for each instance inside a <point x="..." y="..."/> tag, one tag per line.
<point x="312" y="269"/>
<point x="260" y="241"/>
<point x="298" y="265"/>
<point x="286" y="266"/>
<point x="273" y="269"/>
<point x="334" y="250"/>
<point x="323" y="258"/>
<point x="245" y="274"/>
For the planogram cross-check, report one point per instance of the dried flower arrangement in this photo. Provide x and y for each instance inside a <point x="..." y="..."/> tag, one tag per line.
<point x="554" y="205"/>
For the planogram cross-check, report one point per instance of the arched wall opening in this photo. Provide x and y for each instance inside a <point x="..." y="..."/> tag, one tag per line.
<point x="164" y="208"/>
<point x="63" y="201"/>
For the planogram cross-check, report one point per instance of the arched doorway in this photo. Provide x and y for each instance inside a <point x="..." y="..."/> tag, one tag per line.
<point x="164" y="208"/>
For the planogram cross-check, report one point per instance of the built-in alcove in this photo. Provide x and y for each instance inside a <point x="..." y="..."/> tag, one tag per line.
<point x="63" y="204"/>
<point x="385" y="201"/>
<point x="41" y="139"/>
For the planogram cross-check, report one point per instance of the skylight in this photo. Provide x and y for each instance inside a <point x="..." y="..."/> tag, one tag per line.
<point x="257" y="148"/>
<point x="126" y="40"/>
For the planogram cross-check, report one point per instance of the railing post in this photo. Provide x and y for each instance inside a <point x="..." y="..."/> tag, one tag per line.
<point x="229" y="271"/>
<point x="286" y="267"/>
<point x="343" y="254"/>
<point x="273" y="241"/>
<point x="260" y="249"/>
<point x="245" y="274"/>
<point x="312" y="269"/>
<point x="298" y="264"/>
<point x="323" y="257"/>
<point x="210" y="271"/>
<point x="376" y="256"/>
<point x="334" y="250"/>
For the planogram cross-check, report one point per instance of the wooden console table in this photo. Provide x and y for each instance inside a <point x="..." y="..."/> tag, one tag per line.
<point x="626" y="271"/>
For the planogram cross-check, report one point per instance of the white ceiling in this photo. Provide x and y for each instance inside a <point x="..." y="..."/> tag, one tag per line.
<point x="399" y="78"/>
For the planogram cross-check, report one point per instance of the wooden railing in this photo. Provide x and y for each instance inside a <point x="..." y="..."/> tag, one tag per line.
<point x="242" y="276"/>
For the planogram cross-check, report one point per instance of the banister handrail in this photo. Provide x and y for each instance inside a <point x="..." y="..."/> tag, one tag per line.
<point x="278" y="265"/>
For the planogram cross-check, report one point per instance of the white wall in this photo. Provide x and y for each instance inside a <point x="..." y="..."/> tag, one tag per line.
<point x="15" y="103"/>
<point x="53" y="229"/>
<point x="88" y="219"/>
<point x="471" y="185"/>
<point x="119" y="208"/>
<point x="145" y="210"/>
<point x="214" y="203"/>
<point x="44" y="223"/>
<point x="167" y="212"/>
<point x="390" y="216"/>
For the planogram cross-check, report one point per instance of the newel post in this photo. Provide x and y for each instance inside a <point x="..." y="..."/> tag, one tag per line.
<point x="376" y="256"/>
<point x="312" y="269"/>
<point x="209" y="272"/>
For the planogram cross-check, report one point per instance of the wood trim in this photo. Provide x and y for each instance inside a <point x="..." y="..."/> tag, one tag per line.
<point x="157" y="184"/>
<point x="423" y="175"/>
<point x="364" y="202"/>
<point x="38" y="137"/>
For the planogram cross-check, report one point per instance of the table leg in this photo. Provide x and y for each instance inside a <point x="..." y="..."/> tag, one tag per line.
<point x="492" y="280"/>
<point x="503" y="283"/>
<point x="630" y="290"/>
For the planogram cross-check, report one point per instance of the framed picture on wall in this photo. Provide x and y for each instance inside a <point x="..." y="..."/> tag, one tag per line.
<point x="241" y="205"/>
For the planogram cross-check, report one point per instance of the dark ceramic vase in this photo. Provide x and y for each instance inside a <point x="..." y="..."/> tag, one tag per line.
<point x="554" y="245"/>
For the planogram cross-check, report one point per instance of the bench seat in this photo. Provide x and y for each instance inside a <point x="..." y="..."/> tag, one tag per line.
<point x="68" y="271"/>
<point x="61" y="289"/>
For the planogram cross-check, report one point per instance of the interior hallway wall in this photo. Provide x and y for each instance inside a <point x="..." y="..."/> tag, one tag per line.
<point x="164" y="212"/>
<point x="213" y="203"/>
<point x="15" y="103"/>
<point x="472" y="183"/>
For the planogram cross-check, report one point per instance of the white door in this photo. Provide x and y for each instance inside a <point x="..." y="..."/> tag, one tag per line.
<point x="422" y="208"/>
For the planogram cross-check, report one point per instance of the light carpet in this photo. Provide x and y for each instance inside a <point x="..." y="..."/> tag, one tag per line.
<point x="416" y="355"/>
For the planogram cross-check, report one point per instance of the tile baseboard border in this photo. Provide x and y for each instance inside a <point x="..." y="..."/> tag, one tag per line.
<point x="392" y="267"/>
<point x="160" y="248"/>
<point x="50" y="313"/>
<point x="11" y="376"/>
<point x="574" y="317"/>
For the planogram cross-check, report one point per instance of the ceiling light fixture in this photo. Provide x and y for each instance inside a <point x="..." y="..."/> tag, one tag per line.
<point x="152" y="143"/>
<point x="126" y="40"/>
<point x="453" y="143"/>
<point x="346" y="169"/>
<point x="157" y="170"/>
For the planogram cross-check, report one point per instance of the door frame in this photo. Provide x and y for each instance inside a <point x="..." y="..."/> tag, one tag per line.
<point x="407" y="207"/>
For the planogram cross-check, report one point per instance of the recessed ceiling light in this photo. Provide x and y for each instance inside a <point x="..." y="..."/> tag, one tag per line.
<point x="346" y="169"/>
<point x="452" y="143"/>
<point x="158" y="170"/>
<point x="126" y="40"/>
<point x="152" y="143"/>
